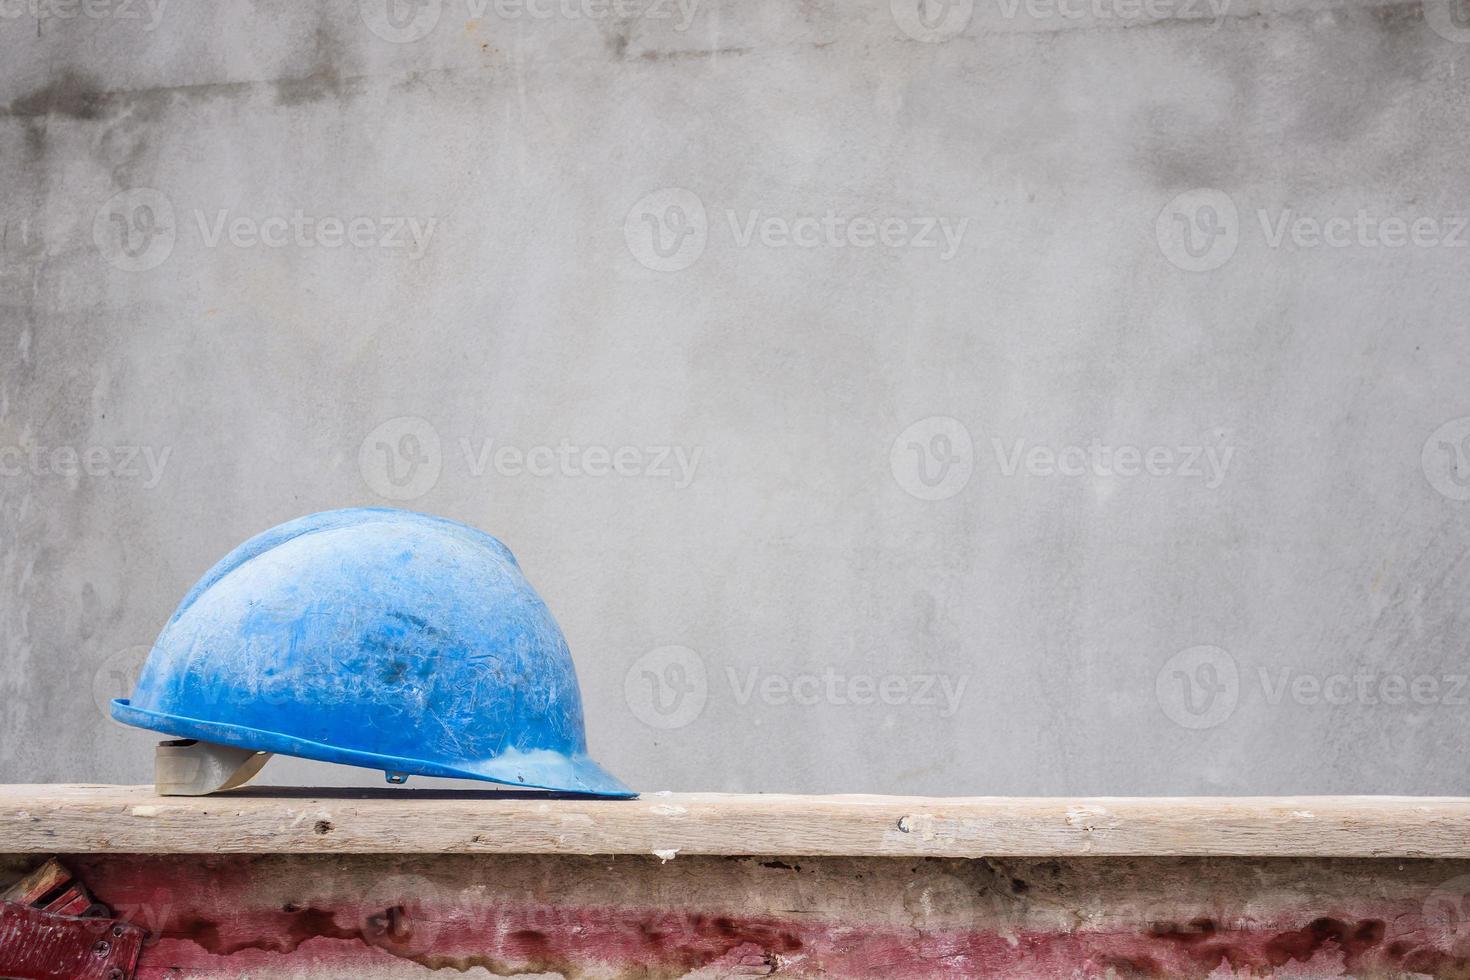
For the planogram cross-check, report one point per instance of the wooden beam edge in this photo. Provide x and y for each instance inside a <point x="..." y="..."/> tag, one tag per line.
<point x="120" y="819"/>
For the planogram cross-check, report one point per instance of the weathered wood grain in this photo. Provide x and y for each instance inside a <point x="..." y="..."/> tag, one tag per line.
<point x="103" y="819"/>
<point x="29" y="890"/>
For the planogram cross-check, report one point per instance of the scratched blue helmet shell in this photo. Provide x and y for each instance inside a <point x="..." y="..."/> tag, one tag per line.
<point x="379" y="638"/>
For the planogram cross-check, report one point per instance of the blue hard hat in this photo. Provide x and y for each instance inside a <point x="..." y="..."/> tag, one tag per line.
<point x="374" y="637"/>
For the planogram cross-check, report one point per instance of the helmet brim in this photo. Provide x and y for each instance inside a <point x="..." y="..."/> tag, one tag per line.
<point x="536" y="769"/>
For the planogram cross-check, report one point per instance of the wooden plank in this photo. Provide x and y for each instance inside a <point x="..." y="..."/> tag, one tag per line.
<point x="37" y="885"/>
<point x="73" y="901"/>
<point x="369" y="917"/>
<point x="100" y="819"/>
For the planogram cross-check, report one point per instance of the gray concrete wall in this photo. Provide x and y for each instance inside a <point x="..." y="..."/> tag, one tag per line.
<point x="991" y="398"/>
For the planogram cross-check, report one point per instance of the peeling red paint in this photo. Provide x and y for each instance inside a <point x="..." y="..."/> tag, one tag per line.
<point x="40" y="945"/>
<point x="236" y="917"/>
<point x="571" y="941"/>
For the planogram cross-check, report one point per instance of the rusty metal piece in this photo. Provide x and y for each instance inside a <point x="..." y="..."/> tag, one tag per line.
<point x="39" y="945"/>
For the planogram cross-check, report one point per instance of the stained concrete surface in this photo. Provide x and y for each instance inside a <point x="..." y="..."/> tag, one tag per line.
<point x="1015" y="399"/>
